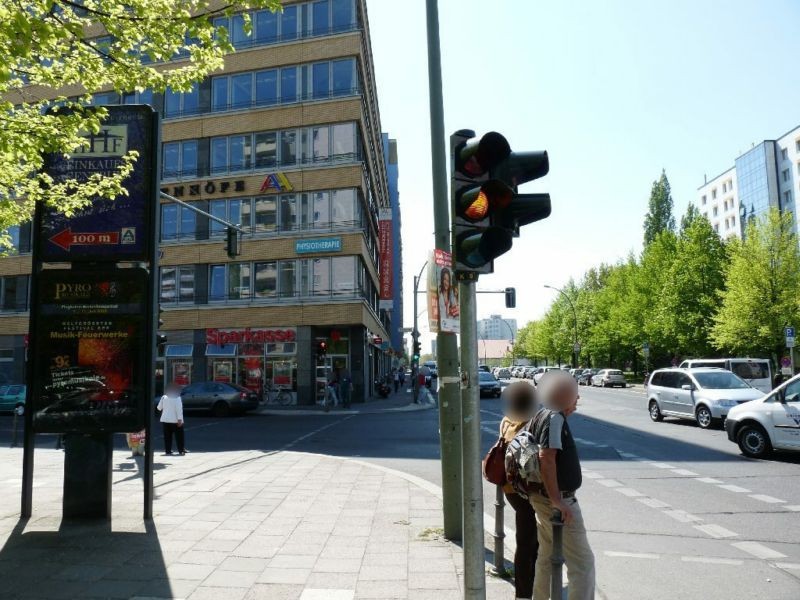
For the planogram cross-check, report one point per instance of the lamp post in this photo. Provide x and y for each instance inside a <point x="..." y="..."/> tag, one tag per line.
<point x="513" y="346"/>
<point x="415" y="337"/>
<point x="575" y="347"/>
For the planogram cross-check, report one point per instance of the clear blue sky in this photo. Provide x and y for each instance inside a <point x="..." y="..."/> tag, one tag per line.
<point x="614" y="91"/>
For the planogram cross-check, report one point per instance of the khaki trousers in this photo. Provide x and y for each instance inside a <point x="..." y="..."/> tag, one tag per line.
<point x="577" y="553"/>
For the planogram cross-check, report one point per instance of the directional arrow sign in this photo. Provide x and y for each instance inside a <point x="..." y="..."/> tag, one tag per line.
<point x="65" y="239"/>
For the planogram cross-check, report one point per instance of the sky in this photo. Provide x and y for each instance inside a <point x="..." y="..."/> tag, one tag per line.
<point x="615" y="91"/>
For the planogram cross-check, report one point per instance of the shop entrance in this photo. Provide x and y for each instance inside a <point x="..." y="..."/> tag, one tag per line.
<point x="326" y="365"/>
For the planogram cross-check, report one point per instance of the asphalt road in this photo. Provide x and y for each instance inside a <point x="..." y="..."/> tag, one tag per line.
<point x="673" y="511"/>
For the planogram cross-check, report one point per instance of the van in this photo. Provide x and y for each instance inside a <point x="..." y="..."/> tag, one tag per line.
<point x="755" y="371"/>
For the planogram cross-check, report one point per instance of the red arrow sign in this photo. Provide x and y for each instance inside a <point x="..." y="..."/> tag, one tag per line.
<point x="65" y="239"/>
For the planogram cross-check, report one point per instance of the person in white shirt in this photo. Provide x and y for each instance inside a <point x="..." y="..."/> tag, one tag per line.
<point x="171" y="407"/>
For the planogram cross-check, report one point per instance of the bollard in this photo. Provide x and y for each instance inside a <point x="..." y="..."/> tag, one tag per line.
<point x="499" y="568"/>
<point x="557" y="558"/>
<point x="18" y="412"/>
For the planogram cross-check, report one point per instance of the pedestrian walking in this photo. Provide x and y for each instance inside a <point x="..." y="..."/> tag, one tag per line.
<point x="519" y="405"/>
<point x="396" y="378"/>
<point x="402" y="377"/>
<point x="561" y="477"/>
<point x="345" y="387"/>
<point x="331" y="397"/>
<point x="171" y="407"/>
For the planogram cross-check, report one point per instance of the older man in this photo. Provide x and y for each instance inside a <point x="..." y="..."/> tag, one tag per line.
<point x="561" y="477"/>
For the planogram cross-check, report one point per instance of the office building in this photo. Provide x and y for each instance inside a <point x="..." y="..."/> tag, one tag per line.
<point x="392" y="174"/>
<point x="497" y="328"/>
<point x="766" y="176"/>
<point x="285" y="141"/>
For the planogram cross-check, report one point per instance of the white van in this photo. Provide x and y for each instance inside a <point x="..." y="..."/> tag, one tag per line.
<point x="755" y="371"/>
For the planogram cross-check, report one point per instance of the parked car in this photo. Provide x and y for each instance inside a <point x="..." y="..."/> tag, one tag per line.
<point x="503" y="373"/>
<point x="529" y="372"/>
<point x="609" y="378"/>
<point x="704" y="395"/>
<point x="12" y="396"/>
<point x="768" y="423"/>
<point x="489" y="386"/>
<point x="220" y="398"/>
<point x="755" y="371"/>
<point x="484" y="368"/>
<point x="541" y="371"/>
<point x="575" y="373"/>
<point x="585" y="378"/>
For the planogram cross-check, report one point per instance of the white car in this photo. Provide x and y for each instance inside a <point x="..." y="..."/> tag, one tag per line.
<point x="540" y="373"/>
<point x="769" y="423"/>
<point x="609" y="378"/>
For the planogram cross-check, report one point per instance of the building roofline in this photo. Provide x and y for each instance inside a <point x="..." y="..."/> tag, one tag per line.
<point x="717" y="177"/>
<point x="785" y="134"/>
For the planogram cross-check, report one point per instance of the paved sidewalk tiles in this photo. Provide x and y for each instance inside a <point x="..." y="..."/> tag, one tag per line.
<point x="233" y="526"/>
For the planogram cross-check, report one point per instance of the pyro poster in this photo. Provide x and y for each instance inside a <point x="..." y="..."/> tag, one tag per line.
<point x="443" y="311"/>
<point x="89" y="367"/>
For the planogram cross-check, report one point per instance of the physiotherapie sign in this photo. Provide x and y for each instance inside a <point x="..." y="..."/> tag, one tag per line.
<point x="119" y="229"/>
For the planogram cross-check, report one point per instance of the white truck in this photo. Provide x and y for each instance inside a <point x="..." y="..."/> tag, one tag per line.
<point x="769" y="423"/>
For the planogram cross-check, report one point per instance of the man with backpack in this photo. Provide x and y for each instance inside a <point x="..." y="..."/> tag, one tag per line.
<point x="560" y="475"/>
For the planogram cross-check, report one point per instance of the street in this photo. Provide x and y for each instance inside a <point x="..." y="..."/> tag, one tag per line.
<point x="672" y="511"/>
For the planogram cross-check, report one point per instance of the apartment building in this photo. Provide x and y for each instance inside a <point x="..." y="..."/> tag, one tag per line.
<point x="285" y="141"/>
<point x="497" y="328"/>
<point x="766" y="176"/>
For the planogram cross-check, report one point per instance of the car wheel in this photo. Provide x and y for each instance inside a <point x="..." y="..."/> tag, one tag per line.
<point x="221" y="409"/>
<point x="704" y="418"/>
<point x="753" y="441"/>
<point x="655" y="412"/>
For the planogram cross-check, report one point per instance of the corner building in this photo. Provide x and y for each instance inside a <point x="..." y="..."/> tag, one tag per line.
<point x="285" y="141"/>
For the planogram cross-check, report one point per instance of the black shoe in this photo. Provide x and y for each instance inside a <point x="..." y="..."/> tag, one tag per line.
<point x="182" y="453"/>
<point x="167" y="454"/>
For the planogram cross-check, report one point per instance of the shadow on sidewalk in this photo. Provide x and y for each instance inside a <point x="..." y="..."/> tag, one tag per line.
<point x="82" y="559"/>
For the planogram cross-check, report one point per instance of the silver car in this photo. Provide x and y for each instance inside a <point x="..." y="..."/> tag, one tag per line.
<point x="609" y="378"/>
<point x="704" y="395"/>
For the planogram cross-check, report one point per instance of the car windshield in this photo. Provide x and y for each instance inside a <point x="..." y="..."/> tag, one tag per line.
<point x="722" y="380"/>
<point x="487" y="376"/>
<point x="751" y="370"/>
<point x="613" y="372"/>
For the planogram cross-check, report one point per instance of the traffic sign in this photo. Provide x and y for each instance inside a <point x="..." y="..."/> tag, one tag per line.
<point x="576" y="348"/>
<point x="790" y="342"/>
<point x="786" y="361"/>
<point x="789" y="332"/>
<point x="66" y="239"/>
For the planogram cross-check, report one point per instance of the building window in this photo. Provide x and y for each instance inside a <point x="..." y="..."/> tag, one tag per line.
<point x="715" y="211"/>
<point x="266" y="214"/>
<point x="267" y="87"/>
<point x="786" y="174"/>
<point x="342" y="15"/>
<point x="266" y="280"/>
<point x="143" y="97"/>
<point x="733" y="221"/>
<point x="784" y="153"/>
<point x="320" y="15"/>
<point x="178" y="103"/>
<point x="725" y="205"/>
<point x="180" y="159"/>
<point x="716" y="227"/>
<point x="177" y="284"/>
<point x="14" y="293"/>
<point x="289" y="84"/>
<point x="724" y="186"/>
<point x="177" y="222"/>
<point x="797" y="145"/>
<point x="703" y="199"/>
<point x="265" y="24"/>
<point x="714" y="194"/>
<point x="787" y="197"/>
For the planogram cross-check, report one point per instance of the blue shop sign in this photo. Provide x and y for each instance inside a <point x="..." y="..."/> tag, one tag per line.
<point x="314" y="245"/>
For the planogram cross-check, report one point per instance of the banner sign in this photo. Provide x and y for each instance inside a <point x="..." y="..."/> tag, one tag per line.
<point x="121" y="229"/>
<point x="386" y="259"/>
<point x="443" y="311"/>
<point x="220" y="337"/>
<point x="89" y="369"/>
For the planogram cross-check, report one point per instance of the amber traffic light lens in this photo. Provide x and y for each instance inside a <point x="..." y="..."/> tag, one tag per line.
<point x="479" y="207"/>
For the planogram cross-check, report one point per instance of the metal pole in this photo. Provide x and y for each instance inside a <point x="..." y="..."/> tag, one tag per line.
<point x="499" y="569"/>
<point x="474" y="570"/>
<point x="557" y="558"/>
<point x="446" y="347"/>
<point x="575" y="317"/>
<point x="414" y="338"/>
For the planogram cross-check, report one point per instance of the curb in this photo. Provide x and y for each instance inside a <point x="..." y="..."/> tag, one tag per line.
<point x="346" y="413"/>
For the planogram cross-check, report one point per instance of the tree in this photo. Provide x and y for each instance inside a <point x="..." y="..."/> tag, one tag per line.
<point x="690" y="293"/>
<point x="54" y="50"/>
<point x="659" y="216"/>
<point x="689" y="217"/>
<point x="762" y="288"/>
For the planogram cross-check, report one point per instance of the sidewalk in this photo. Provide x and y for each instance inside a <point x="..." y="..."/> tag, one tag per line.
<point x="402" y="401"/>
<point x="231" y="526"/>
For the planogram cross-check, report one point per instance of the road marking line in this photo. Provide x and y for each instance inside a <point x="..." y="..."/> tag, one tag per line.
<point x="631" y="555"/>
<point x="793" y="566"/>
<point x="682" y="516"/>
<point x="767" y="499"/>
<point x="793" y="508"/>
<point x="628" y="455"/>
<point x="686" y="472"/>
<point x="716" y="531"/>
<point x="653" y="503"/>
<point x="610" y="483"/>
<point x="708" y="480"/>
<point x="661" y="465"/>
<point x="758" y="550"/>
<point x="711" y="560"/>
<point x="629" y="492"/>
<point x="592" y="475"/>
<point x="735" y="488"/>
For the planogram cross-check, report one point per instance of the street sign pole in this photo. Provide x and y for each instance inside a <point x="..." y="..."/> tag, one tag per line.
<point x="446" y="346"/>
<point x="474" y="571"/>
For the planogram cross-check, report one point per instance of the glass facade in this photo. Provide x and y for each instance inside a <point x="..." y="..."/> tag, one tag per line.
<point x="756" y="185"/>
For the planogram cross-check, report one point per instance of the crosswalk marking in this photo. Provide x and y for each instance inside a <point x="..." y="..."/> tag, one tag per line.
<point x="758" y="550"/>
<point x="631" y="554"/>
<point x="716" y="531"/>
<point x="682" y="516"/>
<point x="767" y="499"/>
<point x="629" y="492"/>
<point x="653" y="503"/>
<point x="611" y="483"/>
<point x="686" y="472"/>
<point x="735" y="488"/>
<point x="792" y="566"/>
<point x="708" y="480"/>
<point x="710" y="560"/>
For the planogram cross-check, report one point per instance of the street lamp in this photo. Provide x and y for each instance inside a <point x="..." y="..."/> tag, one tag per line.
<point x="513" y="347"/>
<point x="575" y="347"/>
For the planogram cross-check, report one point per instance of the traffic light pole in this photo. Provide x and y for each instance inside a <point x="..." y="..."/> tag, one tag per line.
<point x="474" y="569"/>
<point x="446" y="347"/>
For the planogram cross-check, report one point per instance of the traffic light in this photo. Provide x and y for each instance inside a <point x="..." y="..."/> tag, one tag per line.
<point x="417" y="350"/>
<point x="161" y="337"/>
<point x="487" y="211"/>
<point x="232" y="243"/>
<point x="322" y="348"/>
<point x="511" y="297"/>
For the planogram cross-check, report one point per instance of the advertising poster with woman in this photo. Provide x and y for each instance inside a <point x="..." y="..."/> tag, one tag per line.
<point x="443" y="314"/>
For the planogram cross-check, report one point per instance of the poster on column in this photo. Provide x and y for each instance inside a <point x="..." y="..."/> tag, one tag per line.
<point x="89" y="368"/>
<point x="443" y="311"/>
<point x="386" y="259"/>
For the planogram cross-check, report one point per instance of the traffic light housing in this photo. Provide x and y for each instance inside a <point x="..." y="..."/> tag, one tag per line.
<point x="417" y="350"/>
<point x="487" y="211"/>
<point x="322" y="348"/>
<point x="232" y="243"/>
<point x="511" y="297"/>
<point x="161" y="337"/>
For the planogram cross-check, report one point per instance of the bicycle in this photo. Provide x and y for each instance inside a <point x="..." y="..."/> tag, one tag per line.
<point x="277" y="395"/>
